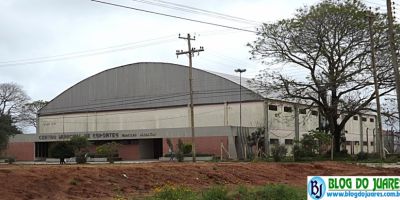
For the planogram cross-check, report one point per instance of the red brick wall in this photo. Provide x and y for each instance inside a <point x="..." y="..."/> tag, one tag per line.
<point x="129" y="152"/>
<point x="209" y="145"/>
<point x="22" y="151"/>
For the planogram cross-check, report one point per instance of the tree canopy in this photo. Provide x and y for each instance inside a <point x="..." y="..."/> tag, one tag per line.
<point x="31" y="111"/>
<point x="7" y="129"/>
<point x="329" y="43"/>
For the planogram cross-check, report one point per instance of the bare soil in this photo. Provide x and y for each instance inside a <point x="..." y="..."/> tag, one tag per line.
<point x="130" y="180"/>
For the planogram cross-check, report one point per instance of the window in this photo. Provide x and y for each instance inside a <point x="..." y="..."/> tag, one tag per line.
<point x="274" y="141"/>
<point x="314" y="112"/>
<point x="287" y="109"/>
<point x="372" y="143"/>
<point x="356" y="143"/>
<point x="289" y="141"/>
<point x="273" y="107"/>
<point x="365" y="143"/>
<point x="364" y="119"/>
<point x="302" y="111"/>
<point x="371" y="119"/>
<point x="355" y="117"/>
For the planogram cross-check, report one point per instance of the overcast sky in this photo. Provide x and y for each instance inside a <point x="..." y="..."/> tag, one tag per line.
<point x="48" y="46"/>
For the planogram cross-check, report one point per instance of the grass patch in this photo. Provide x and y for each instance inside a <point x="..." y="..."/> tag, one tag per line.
<point x="270" y="192"/>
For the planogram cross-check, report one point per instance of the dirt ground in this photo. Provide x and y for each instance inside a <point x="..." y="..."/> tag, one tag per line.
<point x="108" y="181"/>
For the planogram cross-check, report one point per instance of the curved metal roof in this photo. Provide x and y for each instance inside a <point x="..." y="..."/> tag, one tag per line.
<point x="146" y="85"/>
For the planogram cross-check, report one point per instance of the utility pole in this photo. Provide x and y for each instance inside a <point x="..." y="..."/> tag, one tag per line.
<point x="393" y="55"/>
<point x="377" y="99"/>
<point x="190" y="53"/>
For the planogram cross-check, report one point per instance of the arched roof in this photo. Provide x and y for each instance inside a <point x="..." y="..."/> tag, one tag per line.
<point x="145" y="85"/>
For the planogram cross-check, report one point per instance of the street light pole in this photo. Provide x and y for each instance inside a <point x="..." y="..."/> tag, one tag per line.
<point x="240" y="100"/>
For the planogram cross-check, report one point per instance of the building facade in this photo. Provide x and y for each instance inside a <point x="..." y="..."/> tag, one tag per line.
<point x="141" y="105"/>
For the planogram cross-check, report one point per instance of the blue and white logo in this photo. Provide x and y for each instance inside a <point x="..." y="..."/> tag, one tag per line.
<point x="316" y="188"/>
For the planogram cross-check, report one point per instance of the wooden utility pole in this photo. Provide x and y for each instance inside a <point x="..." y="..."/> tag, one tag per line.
<point x="393" y="54"/>
<point x="190" y="53"/>
<point x="377" y="99"/>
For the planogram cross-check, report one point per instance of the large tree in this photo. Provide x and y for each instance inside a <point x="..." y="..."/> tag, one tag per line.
<point x="7" y="129"/>
<point x="12" y="101"/>
<point x="329" y="43"/>
<point x="31" y="111"/>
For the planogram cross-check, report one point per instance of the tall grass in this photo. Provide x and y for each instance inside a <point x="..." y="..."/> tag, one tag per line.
<point x="267" y="192"/>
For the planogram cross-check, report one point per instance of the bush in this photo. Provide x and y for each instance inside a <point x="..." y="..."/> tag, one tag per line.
<point x="391" y="159"/>
<point x="215" y="193"/>
<point x="10" y="160"/>
<point x="362" y="156"/>
<point x="281" y="192"/>
<point x="187" y="148"/>
<point x="244" y="193"/>
<point x="110" y="150"/>
<point x="80" y="158"/>
<point x="175" y="193"/>
<point x="61" y="150"/>
<point x="179" y="154"/>
<point x="279" y="152"/>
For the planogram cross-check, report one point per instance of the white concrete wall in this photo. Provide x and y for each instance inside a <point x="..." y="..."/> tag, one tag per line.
<point x="177" y="117"/>
<point x="280" y="123"/>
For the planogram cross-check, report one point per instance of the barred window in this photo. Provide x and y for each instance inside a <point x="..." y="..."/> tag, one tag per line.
<point x="289" y="141"/>
<point x="273" y="107"/>
<point x="314" y="112"/>
<point x="287" y="109"/>
<point x="274" y="141"/>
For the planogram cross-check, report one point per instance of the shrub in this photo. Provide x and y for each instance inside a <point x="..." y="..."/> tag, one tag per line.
<point x="80" y="145"/>
<point x="391" y="159"/>
<point x="215" y="193"/>
<point x="187" y="148"/>
<point x="278" y="152"/>
<point x="179" y="154"/>
<point x="175" y="193"/>
<point x="280" y="192"/>
<point x="362" y="156"/>
<point x="109" y="149"/>
<point x="10" y="160"/>
<point x="61" y="150"/>
<point x="80" y="158"/>
<point x="243" y="193"/>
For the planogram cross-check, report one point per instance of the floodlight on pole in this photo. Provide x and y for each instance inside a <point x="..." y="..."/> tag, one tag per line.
<point x="240" y="71"/>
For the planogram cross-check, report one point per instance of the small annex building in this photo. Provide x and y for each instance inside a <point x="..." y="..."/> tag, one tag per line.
<point x="140" y="105"/>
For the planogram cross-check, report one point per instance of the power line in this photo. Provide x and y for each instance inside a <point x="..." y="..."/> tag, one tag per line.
<point x="80" y="54"/>
<point x="173" y="16"/>
<point x="185" y="8"/>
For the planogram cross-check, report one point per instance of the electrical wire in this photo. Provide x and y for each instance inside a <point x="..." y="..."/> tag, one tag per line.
<point x="82" y="53"/>
<point x="189" y="9"/>
<point x="173" y="16"/>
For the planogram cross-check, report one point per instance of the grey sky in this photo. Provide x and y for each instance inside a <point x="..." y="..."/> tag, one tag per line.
<point x="43" y="28"/>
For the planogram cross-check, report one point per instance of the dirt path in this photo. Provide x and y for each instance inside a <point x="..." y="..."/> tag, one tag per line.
<point x="108" y="181"/>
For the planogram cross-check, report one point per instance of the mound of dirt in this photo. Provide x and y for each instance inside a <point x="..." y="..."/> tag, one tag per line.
<point x="108" y="181"/>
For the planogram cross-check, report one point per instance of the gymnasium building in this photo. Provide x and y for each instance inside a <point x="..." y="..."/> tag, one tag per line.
<point x="140" y="105"/>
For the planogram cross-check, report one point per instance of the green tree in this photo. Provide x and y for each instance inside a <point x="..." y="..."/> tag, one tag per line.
<point x="61" y="150"/>
<point x="329" y="42"/>
<point x="7" y="129"/>
<point x="80" y="146"/>
<point x="109" y="149"/>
